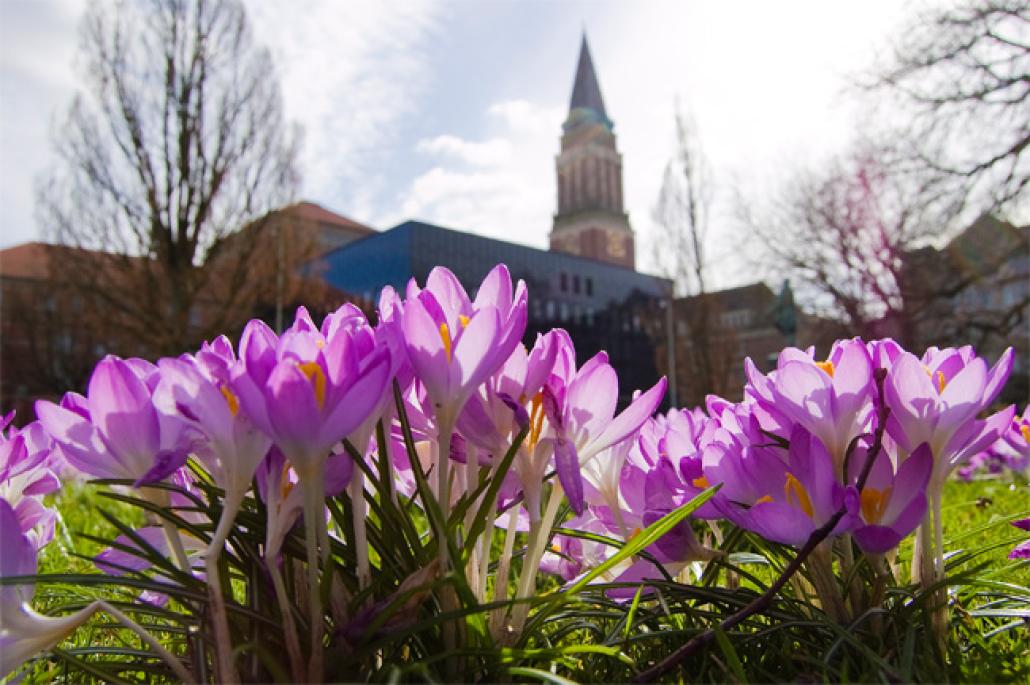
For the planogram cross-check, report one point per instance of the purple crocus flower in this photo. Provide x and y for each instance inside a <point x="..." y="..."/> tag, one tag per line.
<point x="583" y="420"/>
<point x="197" y="390"/>
<point x="26" y="474"/>
<point x="454" y="343"/>
<point x="783" y="498"/>
<point x="507" y="401"/>
<point x="670" y="450"/>
<point x="892" y="503"/>
<point x="937" y="404"/>
<point x="1013" y="447"/>
<point x="311" y="388"/>
<point x="1022" y="550"/>
<point x="831" y="399"/>
<point x="23" y="632"/>
<point x="115" y="431"/>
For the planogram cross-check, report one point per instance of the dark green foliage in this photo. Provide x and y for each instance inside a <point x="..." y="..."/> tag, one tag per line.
<point x="579" y="636"/>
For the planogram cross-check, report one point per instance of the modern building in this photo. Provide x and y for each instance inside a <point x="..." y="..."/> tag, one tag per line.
<point x="603" y="306"/>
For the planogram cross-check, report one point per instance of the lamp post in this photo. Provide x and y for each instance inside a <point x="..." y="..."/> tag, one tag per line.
<point x="670" y="347"/>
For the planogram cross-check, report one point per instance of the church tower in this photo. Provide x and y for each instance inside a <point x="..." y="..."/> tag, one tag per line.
<point x="590" y="221"/>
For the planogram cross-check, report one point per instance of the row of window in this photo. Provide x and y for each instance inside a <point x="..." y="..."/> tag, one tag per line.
<point x="587" y="284"/>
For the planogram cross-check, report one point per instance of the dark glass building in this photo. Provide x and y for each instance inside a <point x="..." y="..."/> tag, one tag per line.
<point x="602" y="306"/>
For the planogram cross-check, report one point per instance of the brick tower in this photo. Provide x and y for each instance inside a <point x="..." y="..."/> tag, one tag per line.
<point x="590" y="220"/>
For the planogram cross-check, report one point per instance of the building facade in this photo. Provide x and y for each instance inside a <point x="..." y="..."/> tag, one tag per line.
<point x="53" y="331"/>
<point x="590" y="220"/>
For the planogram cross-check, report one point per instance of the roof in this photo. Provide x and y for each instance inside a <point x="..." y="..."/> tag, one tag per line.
<point x="412" y="248"/>
<point x="743" y="297"/>
<point x="28" y="260"/>
<point x="586" y="92"/>
<point x="32" y="260"/>
<point x="314" y="212"/>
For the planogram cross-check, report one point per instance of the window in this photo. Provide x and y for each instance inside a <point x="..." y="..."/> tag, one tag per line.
<point x="564" y="282"/>
<point x="563" y="310"/>
<point x="590" y="287"/>
<point x="550" y="310"/>
<point x="575" y="285"/>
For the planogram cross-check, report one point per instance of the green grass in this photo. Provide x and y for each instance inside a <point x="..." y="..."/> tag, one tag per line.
<point x="788" y="643"/>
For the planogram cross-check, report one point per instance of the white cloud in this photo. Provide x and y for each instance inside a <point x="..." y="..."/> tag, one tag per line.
<point x="351" y="74"/>
<point x="501" y="187"/>
<point x="487" y="153"/>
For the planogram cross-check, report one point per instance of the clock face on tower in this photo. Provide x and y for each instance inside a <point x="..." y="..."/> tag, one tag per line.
<point x="616" y="245"/>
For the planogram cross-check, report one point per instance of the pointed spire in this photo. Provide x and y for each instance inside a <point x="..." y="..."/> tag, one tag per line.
<point x="586" y="93"/>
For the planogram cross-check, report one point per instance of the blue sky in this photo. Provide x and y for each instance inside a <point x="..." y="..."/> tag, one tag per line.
<point x="450" y="111"/>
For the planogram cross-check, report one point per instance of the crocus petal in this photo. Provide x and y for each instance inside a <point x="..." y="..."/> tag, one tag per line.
<point x="358" y="401"/>
<point x="80" y="441"/>
<point x="997" y="376"/>
<point x="165" y="464"/>
<point x="876" y="539"/>
<point x="426" y="348"/>
<point x="629" y="421"/>
<point x="962" y="396"/>
<point x="495" y="290"/>
<point x="591" y="400"/>
<point x="566" y="463"/>
<point x="474" y="349"/>
<point x="780" y="523"/>
<point x="121" y="408"/>
<point x="293" y="412"/>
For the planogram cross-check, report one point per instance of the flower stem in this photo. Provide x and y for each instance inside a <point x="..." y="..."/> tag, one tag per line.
<point x="357" y="497"/>
<point x="286" y="609"/>
<point x="219" y="619"/>
<point x="538" y="536"/>
<point x="314" y="502"/>
<point x="501" y="579"/>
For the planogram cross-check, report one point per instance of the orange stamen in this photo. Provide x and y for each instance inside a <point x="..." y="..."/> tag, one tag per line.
<point x="874" y="503"/>
<point x="445" y="336"/>
<point x="797" y="495"/>
<point x="826" y="366"/>
<point x="231" y="400"/>
<point x="316" y="376"/>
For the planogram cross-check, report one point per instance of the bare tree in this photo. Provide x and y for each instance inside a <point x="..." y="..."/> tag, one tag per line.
<point x="859" y="238"/>
<point x="962" y="74"/>
<point x="679" y="249"/>
<point x="842" y="234"/>
<point x="176" y="144"/>
<point x="682" y="211"/>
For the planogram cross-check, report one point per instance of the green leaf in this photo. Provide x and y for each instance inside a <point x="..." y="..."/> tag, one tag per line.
<point x="645" y="538"/>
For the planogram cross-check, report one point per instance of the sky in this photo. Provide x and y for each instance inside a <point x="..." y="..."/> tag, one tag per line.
<point x="450" y="111"/>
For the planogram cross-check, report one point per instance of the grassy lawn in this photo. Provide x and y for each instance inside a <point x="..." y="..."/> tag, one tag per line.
<point x="977" y="515"/>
